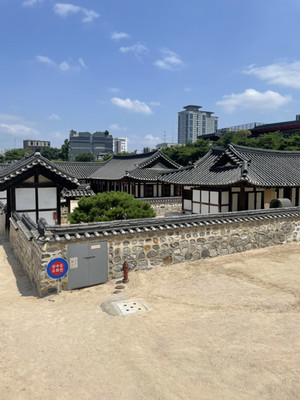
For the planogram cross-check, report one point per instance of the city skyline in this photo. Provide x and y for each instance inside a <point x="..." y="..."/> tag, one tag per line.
<point x="130" y="67"/>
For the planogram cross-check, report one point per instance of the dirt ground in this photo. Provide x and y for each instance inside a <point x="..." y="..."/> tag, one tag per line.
<point x="223" y="328"/>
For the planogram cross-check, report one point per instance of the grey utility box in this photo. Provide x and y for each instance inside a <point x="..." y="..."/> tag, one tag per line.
<point x="88" y="264"/>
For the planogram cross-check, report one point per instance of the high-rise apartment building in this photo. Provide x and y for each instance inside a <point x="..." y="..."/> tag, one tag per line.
<point x="193" y="123"/>
<point x="97" y="143"/>
<point x="119" y="145"/>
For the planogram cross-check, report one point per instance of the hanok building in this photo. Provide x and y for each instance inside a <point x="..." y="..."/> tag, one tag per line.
<point x="137" y="174"/>
<point x="33" y="185"/>
<point x="238" y="178"/>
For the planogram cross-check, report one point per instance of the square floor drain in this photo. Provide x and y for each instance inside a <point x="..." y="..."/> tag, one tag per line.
<point x="130" y="307"/>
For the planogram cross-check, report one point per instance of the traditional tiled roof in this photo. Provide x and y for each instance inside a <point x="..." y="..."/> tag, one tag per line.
<point x="83" y="190"/>
<point x="42" y="232"/>
<point x="118" y="167"/>
<point x="82" y="170"/>
<point x="237" y="164"/>
<point x="15" y="170"/>
<point x="147" y="174"/>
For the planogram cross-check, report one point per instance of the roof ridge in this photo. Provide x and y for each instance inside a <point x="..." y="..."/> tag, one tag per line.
<point x="258" y="150"/>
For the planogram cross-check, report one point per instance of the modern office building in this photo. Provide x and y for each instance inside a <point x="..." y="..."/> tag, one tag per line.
<point x="236" y="128"/>
<point x="97" y="143"/>
<point x="119" y="145"/>
<point x="102" y="144"/>
<point x="194" y="123"/>
<point x="286" y="128"/>
<point x="36" y="145"/>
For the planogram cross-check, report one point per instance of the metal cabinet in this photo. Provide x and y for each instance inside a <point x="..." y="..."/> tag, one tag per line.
<point x="88" y="264"/>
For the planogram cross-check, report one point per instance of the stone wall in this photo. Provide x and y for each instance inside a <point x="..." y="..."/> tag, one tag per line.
<point x="179" y="245"/>
<point x="163" y="245"/>
<point x="165" y="205"/>
<point x="34" y="258"/>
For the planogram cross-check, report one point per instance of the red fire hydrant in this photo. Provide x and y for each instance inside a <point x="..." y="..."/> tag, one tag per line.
<point x="125" y="271"/>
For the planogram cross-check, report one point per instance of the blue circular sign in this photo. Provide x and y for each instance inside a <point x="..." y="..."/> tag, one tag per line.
<point x="57" y="268"/>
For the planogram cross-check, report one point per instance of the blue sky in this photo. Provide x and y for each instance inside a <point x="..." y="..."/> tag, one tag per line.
<point x="129" y="66"/>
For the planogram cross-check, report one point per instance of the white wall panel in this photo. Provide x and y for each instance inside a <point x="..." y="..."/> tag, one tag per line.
<point x="32" y="215"/>
<point x="214" y="209"/>
<point x="196" y="195"/>
<point x="48" y="215"/>
<point x="25" y="199"/>
<point x="251" y="201"/>
<point x="3" y="196"/>
<point x="258" y="200"/>
<point x="196" y="208"/>
<point x="187" y="204"/>
<point x="234" y="202"/>
<point x="225" y="197"/>
<point x="214" y="197"/>
<point x="204" y="209"/>
<point x="204" y="196"/>
<point x="47" y="197"/>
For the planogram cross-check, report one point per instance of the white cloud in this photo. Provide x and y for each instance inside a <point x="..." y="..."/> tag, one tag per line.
<point x="116" y="127"/>
<point x="138" y="49"/>
<point x="18" y="130"/>
<point x="29" y="3"/>
<point x="54" y="117"/>
<point x="17" y="127"/>
<point x="82" y="63"/>
<point x="66" y="9"/>
<point x="9" y="118"/>
<point x="170" y="61"/>
<point x="154" y="103"/>
<point x="132" y="105"/>
<point x="283" y="74"/>
<point x="152" y="139"/>
<point x="63" y="66"/>
<point x="120" y="35"/>
<point x="251" y="98"/>
<point x="45" y="60"/>
<point x="113" y="90"/>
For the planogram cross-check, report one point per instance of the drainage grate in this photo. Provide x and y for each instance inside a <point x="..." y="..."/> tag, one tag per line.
<point x="130" y="307"/>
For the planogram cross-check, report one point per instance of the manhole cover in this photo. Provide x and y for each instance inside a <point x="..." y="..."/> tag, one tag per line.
<point x="130" y="306"/>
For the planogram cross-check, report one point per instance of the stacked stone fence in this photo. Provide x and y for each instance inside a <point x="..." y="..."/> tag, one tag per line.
<point x="151" y="243"/>
<point x="163" y="206"/>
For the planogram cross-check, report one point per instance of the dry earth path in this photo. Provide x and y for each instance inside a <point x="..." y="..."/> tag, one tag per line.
<point x="220" y="329"/>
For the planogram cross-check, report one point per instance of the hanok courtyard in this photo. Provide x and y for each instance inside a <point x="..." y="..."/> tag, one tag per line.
<point x="223" y="328"/>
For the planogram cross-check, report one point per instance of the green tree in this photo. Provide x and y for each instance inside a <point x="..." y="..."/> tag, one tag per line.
<point x="16" y="154"/>
<point x="241" y="137"/>
<point x="110" y="206"/>
<point x="84" y="157"/>
<point x="189" y="153"/>
<point x="52" y="153"/>
<point x="105" y="157"/>
<point x="65" y="150"/>
<point x="2" y="158"/>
